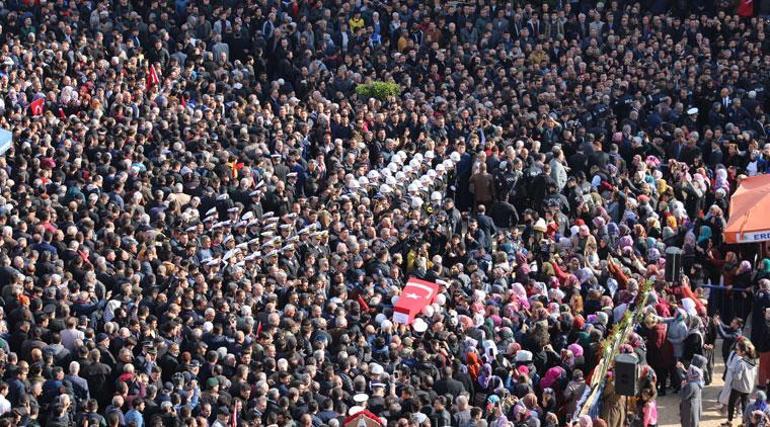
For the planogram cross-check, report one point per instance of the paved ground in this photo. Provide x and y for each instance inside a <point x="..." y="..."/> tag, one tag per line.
<point x="668" y="406"/>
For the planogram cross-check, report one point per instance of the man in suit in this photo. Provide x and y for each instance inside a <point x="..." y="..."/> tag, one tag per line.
<point x="724" y="99"/>
<point x="79" y="384"/>
<point x="535" y="26"/>
<point x="486" y="223"/>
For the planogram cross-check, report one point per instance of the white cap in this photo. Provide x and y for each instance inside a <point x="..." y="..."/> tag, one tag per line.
<point x="376" y="369"/>
<point x="523" y="356"/>
<point x="419" y="325"/>
<point x="379" y="318"/>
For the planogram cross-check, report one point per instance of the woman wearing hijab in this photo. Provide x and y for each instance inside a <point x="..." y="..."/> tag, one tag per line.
<point x="741" y="286"/>
<point x="691" y="404"/>
<point x="677" y="333"/>
<point x="578" y="356"/>
<point x="750" y="416"/>
<point x="702" y="363"/>
<point x="728" y="272"/>
<point x="694" y="342"/>
<point x="613" y="404"/>
<point x="552" y="378"/>
<point x="660" y="353"/>
<point x="760" y="330"/>
<point x="716" y="220"/>
<point x="574" y="392"/>
<point x="763" y="270"/>
<point x="484" y="379"/>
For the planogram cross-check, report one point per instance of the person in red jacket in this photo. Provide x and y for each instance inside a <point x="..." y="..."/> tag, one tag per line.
<point x="660" y="353"/>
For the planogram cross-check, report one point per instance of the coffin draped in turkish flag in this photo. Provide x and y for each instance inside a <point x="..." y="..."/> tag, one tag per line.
<point x="414" y="297"/>
<point x="362" y="419"/>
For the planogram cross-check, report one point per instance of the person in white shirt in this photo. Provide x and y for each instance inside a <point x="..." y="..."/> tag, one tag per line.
<point x="71" y="337"/>
<point x="5" y="404"/>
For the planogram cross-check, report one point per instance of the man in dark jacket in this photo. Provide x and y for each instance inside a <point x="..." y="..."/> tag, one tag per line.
<point x="447" y="384"/>
<point x="482" y="185"/>
<point x="504" y="214"/>
<point x="169" y="362"/>
<point x="486" y="224"/>
<point x="16" y="387"/>
<point x="440" y="416"/>
<point x="96" y="374"/>
<point x="79" y="384"/>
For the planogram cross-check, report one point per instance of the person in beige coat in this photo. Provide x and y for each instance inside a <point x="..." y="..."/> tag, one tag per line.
<point x="613" y="405"/>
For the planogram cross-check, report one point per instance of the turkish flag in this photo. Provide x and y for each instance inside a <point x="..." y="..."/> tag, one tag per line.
<point x="362" y="303"/>
<point x="746" y="8"/>
<point x="414" y="297"/>
<point x="236" y="166"/>
<point x="233" y="418"/>
<point x="37" y="107"/>
<point x="152" y="78"/>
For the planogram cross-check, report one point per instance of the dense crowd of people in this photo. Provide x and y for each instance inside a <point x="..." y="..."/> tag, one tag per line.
<point x="203" y="223"/>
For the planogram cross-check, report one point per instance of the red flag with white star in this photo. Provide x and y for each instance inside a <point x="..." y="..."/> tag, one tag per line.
<point x="414" y="297"/>
<point x="37" y="107"/>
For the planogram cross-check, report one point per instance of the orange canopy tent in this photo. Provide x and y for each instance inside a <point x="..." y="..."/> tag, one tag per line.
<point x="750" y="211"/>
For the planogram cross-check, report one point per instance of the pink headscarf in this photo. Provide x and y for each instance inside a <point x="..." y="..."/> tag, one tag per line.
<point x="518" y="290"/>
<point x="652" y="162"/>
<point x="553" y="308"/>
<point x="576" y="349"/>
<point x="551" y="376"/>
